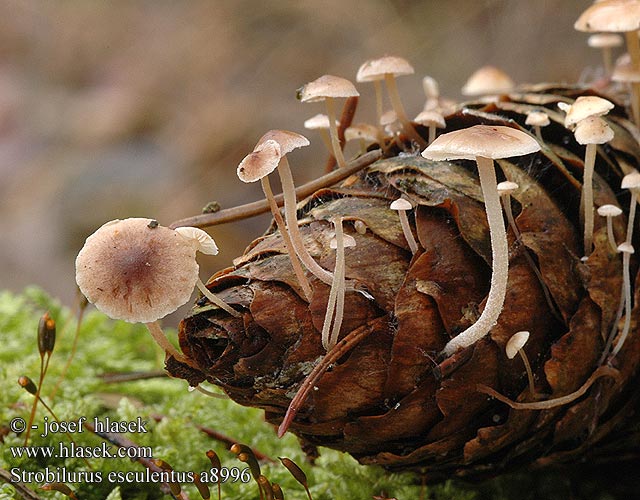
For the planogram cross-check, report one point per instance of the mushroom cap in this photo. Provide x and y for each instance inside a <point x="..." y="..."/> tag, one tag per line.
<point x="347" y="240"/>
<point x="361" y="131"/>
<point x="430" y="87"/>
<point x="326" y="86"/>
<point x="317" y="122"/>
<point x="133" y="271"/>
<point x="515" y="343"/>
<point x="605" y="40"/>
<point x="287" y="140"/>
<point x="537" y="119"/>
<point x="593" y="130"/>
<point x="200" y="239"/>
<point x="489" y="141"/>
<point x="507" y="187"/>
<point x="610" y="16"/>
<point x="488" y="80"/>
<point x="260" y="162"/>
<point x="376" y="69"/>
<point x="430" y="118"/>
<point x="401" y="204"/>
<point x="626" y="248"/>
<point x="585" y="106"/>
<point x="388" y="117"/>
<point x="625" y="71"/>
<point x="609" y="211"/>
<point x="631" y="181"/>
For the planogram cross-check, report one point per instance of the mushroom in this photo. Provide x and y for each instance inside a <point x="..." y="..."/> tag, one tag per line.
<point x="505" y="189"/>
<point x="388" y="68"/>
<point x="610" y="211"/>
<point x="617" y="16"/>
<point x="363" y="132"/>
<point x="591" y="131"/>
<point x="484" y="143"/>
<point x="402" y="205"/>
<point x="632" y="183"/>
<point x="515" y="346"/>
<point x="335" y="304"/>
<point x="431" y="119"/>
<point x="138" y="271"/>
<point x="327" y="88"/>
<point x="321" y="123"/>
<point x="257" y="165"/>
<point x="627" y="250"/>
<point x="537" y="119"/>
<point x="605" y="42"/>
<point x="488" y="80"/>
<point x="584" y="107"/>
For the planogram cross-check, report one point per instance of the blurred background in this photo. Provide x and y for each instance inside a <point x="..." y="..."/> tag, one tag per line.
<point x="144" y="108"/>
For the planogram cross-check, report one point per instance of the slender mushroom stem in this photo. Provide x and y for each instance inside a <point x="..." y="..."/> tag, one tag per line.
<point x="633" y="47"/>
<point x="500" y="261"/>
<point x="295" y="263"/>
<point x="626" y="250"/>
<point x="214" y="299"/>
<point x="632" y="215"/>
<point x="333" y="132"/>
<point x="158" y="335"/>
<point x="527" y="367"/>
<point x="610" y="235"/>
<point x="288" y="190"/>
<point x="587" y="199"/>
<point x="432" y="133"/>
<point x="338" y="284"/>
<point x="506" y="205"/>
<point x="396" y="102"/>
<point x="401" y="205"/>
<point x="538" y="130"/>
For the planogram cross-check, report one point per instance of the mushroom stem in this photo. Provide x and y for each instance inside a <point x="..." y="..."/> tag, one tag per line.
<point x="626" y="283"/>
<point x="632" y="216"/>
<point x="333" y="132"/>
<point x="295" y="263"/>
<point x="214" y="299"/>
<point x="633" y="47"/>
<point x="500" y="261"/>
<point x="337" y="290"/>
<point x="394" y="96"/>
<point x="406" y="229"/>
<point x="158" y="335"/>
<point x="527" y="367"/>
<point x="506" y="204"/>
<point x="587" y="199"/>
<point x="288" y="190"/>
<point x="610" y="235"/>
<point x="432" y="133"/>
<point x="538" y="130"/>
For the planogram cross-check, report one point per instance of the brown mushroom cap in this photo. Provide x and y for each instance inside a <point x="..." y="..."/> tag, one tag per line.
<point x="489" y="141"/>
<point x="610" y="16"/>
<point x="136" y="272"/>
<point x="375" y="69"/>
<point x="326" y="86"/>
<point x="260" y="162"/>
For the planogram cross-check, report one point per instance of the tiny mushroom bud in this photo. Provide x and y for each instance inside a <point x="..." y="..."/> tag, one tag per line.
<point x="402" y="205"/>
<point x="484" y="143"/>
<point x="610" y="211"/>
<point x="590" y="131"/>
<point x="626" y="249"/>
<point x="514" y="346"/>
<point x="327" y="88"/>
<point x="537" y="119"/>
<point x="388" y="68"/>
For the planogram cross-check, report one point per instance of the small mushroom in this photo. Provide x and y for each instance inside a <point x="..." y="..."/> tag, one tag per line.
<point x="632" y="183"/>
<point x="505" y="189"/>
<point x="626" y="249"/>
<point x="489" y="81"/>
<point x="515" y="346"/>
<point x="605" y="42"/>
<point x="431" y="119"/>
<point x="362" y="132"/>
<point x="537" y="119"/>
<point x="402" y="205"/>
<point x="388" y="68"/>
<point x="584" y="107"/>
<point x="610" y="211"/>
<point x="327" y="88"/>
<point x="138" y="272"/>
<point x="321" y="123"/>
<point x="590" y="131"/>
<point x="484" y="143"/>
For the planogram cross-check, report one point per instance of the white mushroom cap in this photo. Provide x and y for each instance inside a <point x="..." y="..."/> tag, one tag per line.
<point x="507" y="187"/>
<point x="200" y="239"/>
<point x="347" y="240"/>
<point x="605" y="40"/>
<point x="626" y="248"/>
<point x="631" y="181"/>
<point x="515" y="343"/>
<point x="609" y="211"/>
<point x="585" y="106"/>
<point x="260" y="162"/>
<point x="537" y="119"/>
<point x="401" y="204"/>
<point x="610" y="16"/>
<point x="288" y="141"/>
<point x="430" y="87"/>
<point x="430" y="118"/>
<point x="593" y="130"/>
<point x="488" y="80"/>
<point x="489" y="141"/>
<point x="564" y="106"/>
<point x="376" y="69"/>
<point x="136" y="271"/>
<point x="318" y="121"/>
<point x="326" y="86"/>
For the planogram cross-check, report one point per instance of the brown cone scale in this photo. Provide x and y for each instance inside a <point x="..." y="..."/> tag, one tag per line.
<point x="392" y="400"/>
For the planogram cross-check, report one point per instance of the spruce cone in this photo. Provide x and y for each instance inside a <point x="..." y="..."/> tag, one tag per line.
<point x="390" y="400"/>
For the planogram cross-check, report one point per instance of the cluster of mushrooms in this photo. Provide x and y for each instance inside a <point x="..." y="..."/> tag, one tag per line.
<point x="139" y="271"/>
